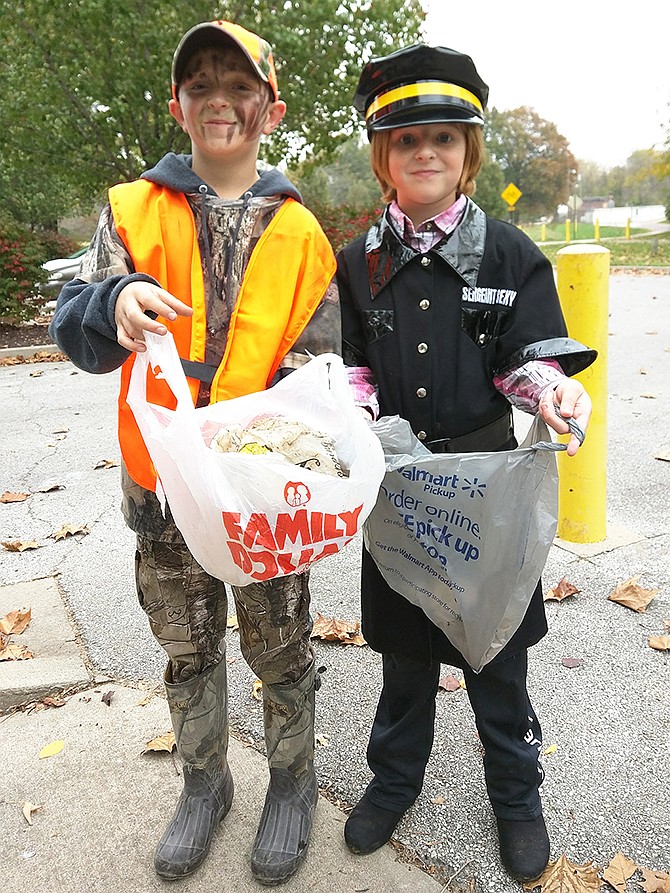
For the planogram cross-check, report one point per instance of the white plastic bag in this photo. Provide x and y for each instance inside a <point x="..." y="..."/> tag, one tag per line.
<point x="465" y="536"/>
<point x="254" y="517"/>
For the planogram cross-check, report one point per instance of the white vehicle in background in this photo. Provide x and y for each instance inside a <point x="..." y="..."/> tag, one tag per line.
<point x="60" y="270"/>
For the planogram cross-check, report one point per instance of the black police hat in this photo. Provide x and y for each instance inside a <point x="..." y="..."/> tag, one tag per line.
<point x="420" y="84"/>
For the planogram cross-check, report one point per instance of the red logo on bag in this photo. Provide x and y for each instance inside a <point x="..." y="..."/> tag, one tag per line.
<point x="296" y="493"/>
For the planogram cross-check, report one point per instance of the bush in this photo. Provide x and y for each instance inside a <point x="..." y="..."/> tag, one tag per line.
<point x="55" y="245"/>
<point x="343" y="224"/>
<point x="21" y="257"/>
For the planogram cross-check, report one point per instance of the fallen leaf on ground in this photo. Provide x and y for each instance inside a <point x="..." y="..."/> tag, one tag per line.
<point x="69" y="530"/>
<point x="107" y="698"/>
<point x="619" y="869"/>
<point x="549" y="750"/>
<point x="438" y="801"/>
<point x="330" y="629"/>
<point x="20" y="545"/>
<point x="12" y="651"/>
<point x="664" y="457"/>
<point x="322" y="740"/>
<point x="53" y="702"/>
<point x="659" y="643"/>
<point x="28" y="810"/>
<point x="50" y="750"/>
<point x="655" y="881"/>
<point x="450" y="683"/>
<point x="13" y="497"/>
<point x="572" y="662"/>
<point x="632" y="596"/>
<point x="144" y="701"/>
<point x="105" y="463"/>
<point x="15" y="622"/>
<point x="232" y="623"/>
<point x="648" y="396"/>
<point x="49" y="487"/>
<point x="257" y="690"/>
<point x="562" y="590"/>
<point x="161" y="742"/>
<point x="564" y="876"/>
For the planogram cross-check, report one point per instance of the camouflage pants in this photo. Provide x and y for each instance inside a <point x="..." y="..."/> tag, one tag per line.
<point x="188" y="615"/>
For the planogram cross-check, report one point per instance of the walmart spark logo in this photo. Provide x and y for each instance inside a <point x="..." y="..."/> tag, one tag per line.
<point x="474" y="487"/>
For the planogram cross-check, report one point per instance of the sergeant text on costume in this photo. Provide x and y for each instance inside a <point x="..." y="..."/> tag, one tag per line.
<point x="503" y="297"/>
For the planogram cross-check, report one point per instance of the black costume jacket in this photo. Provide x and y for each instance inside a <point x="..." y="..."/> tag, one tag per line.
<point x="435" y="328"/>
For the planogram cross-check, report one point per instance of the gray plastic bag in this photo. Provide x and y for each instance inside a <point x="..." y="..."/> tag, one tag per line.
<point x="465" y="536"/>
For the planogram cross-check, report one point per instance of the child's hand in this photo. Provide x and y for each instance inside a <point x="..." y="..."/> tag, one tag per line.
<point x="573" y="402"/>
<point x="133" y="304"/>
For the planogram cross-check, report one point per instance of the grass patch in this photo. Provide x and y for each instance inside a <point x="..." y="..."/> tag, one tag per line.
<point x="555" y="232"/>
<point x="638" y="251"/>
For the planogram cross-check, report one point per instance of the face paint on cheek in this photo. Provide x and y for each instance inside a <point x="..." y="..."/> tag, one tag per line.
<point x="252" y="115"/>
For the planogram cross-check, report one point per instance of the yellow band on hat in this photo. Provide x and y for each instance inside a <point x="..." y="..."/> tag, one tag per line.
<point x="424" y="88"/>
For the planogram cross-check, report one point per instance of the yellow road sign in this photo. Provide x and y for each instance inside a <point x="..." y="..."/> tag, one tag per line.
<point x="511" y="194"/>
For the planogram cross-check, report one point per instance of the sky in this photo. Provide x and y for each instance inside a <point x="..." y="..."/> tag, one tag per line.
<point x="597" y="70"/>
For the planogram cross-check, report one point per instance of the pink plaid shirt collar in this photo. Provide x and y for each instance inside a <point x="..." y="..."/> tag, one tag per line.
<point x="431" y="231"/>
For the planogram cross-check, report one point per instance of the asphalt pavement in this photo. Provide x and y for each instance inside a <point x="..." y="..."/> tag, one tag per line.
<point x="101" y="802"/>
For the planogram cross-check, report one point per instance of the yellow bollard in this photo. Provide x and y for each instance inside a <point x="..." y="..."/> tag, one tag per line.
<point x="567" y="230"/>
<point x="583" y="288"/>
<point x="628" y="228"/>
<point x="597" y="229"/>
<point x="543" y="236"/>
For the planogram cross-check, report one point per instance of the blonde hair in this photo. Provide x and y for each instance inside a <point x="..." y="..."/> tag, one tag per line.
<point x="380" y="141"/>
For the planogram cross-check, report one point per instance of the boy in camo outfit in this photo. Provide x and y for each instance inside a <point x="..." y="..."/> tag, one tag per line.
<point x="227" y="258"/>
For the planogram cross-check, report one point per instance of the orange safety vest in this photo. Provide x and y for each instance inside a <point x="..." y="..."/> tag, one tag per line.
<point x="288" y="273"/>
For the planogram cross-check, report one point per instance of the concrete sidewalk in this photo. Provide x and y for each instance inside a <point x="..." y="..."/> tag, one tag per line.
<point x="101" y="805"/>
<point x="86" y="820"/>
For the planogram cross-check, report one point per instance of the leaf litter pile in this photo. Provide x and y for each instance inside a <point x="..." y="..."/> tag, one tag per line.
<point x="564" y="876"/>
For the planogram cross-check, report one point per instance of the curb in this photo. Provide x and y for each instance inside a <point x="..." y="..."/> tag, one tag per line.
<point x="57" y="664"/>
<point x="29" y="351"/>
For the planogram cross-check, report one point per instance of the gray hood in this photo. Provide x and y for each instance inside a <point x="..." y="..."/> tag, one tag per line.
<point x="175" y="171"/>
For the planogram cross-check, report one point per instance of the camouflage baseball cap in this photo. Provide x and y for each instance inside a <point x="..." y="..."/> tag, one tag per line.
<point x="257" y="50"/>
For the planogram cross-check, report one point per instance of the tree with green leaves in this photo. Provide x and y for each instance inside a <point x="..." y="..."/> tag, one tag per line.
<point x="85" y="85"/>
<point x="534" y="156"/>
<point x="490" y="184"/>
<point x="643" y="180"/>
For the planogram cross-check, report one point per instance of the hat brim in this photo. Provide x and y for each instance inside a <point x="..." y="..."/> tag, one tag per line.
<point x="425" y="115"/>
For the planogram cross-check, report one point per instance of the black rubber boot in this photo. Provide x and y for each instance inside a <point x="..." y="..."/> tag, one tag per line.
<point x="524" y="847"/>
<point x="369" y="827"/>
<point x="286" y="821"/>
<point x="201" y="806"/>
<point x="199" y="712"/>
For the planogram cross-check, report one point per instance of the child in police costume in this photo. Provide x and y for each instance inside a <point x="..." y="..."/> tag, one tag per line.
<point x="226" y="257"/>
<point x="448" y="317"/>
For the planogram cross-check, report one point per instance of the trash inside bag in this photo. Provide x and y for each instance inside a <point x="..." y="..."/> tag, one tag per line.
<point x="271" y="433"/>
<point x="465" y="536"/>
<point x="256" y="514"/>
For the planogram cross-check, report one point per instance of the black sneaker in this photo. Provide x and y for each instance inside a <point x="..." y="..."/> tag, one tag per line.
<point x="524" y="847"/>
<point x="369" y="827"/>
